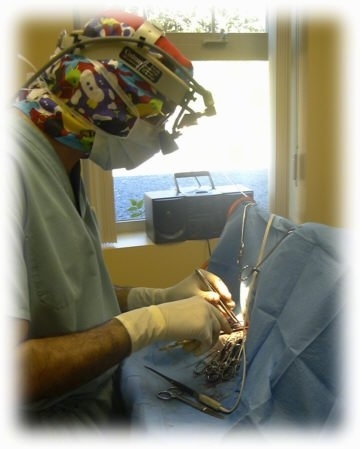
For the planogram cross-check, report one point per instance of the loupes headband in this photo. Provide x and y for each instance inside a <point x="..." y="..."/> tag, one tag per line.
<point x="133" y="55"/>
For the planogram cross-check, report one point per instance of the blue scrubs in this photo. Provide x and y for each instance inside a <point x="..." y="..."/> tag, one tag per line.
<point x="61" y="282"/>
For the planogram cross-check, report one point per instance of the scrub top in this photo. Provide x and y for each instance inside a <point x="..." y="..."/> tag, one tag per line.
<point x="61" y="284"/>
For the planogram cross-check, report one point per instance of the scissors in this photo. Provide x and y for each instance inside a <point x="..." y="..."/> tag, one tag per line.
<point x="202" y="402"/>
<point x="176" y="393"/>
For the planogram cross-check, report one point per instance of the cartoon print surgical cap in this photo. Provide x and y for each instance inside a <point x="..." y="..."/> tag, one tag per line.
<point x="115" y="71"/>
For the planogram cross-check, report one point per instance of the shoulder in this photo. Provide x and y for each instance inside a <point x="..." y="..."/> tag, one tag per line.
<point x="23" y="133"/>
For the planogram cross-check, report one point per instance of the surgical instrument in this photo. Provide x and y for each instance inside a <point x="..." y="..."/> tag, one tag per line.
<point x="232" y="319"/>
<point x="223" y="364"/>
<point x="176" y="393"/>
<point x="203" y="398"/>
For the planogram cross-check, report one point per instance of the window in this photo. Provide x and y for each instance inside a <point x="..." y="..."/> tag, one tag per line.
<point x="206" y="19"/>
<point x="229" y="50"/>
<point x="241" y="93"/>
<point x="234" y="145"/>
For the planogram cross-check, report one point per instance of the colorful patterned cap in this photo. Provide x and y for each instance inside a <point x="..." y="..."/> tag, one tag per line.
<point x="117" y="69"/>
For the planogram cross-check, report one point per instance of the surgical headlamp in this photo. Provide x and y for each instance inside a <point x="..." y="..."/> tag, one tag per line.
<point x="149" y="62"/>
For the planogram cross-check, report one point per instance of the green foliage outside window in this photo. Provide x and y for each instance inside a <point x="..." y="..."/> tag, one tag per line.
<point x="199" y="19"/>
<point x="136" y="208"/>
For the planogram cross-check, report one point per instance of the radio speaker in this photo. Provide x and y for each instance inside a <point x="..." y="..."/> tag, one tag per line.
<point x="195" y="215"/>
<point x="177" y="217"/>
<point x="165" y="218"/>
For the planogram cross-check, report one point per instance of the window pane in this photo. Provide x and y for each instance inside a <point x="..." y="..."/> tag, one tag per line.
<point x="190" y="18"/>
<point x="203" y="19"/>
<point x="233" y="145"/>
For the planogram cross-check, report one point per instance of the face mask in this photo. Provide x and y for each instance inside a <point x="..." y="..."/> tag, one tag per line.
<point x="111" y="152"/>
<point x="101" y="106"/>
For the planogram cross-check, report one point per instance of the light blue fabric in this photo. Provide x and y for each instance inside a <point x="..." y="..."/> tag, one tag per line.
<point x="62" y="282"/>
<point x="293" y="377"/>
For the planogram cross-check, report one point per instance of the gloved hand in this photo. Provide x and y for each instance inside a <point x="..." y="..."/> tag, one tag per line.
<point x="191" y="319"/>
<point x="188" y="287"/>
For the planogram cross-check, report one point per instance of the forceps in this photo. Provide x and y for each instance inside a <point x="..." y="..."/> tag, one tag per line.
<point x="176" y="393"/>
<point x="232" y="319"/>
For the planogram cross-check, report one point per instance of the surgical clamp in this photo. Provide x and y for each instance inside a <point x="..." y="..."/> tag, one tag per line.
<point x="176" y="393"/>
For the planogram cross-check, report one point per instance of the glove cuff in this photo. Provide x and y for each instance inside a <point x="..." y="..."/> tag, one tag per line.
<point x="144" y="326"/>
<point x="144" y="297"/>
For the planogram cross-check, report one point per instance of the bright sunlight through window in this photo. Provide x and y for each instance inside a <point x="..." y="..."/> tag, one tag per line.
<point x="233" y="145"/>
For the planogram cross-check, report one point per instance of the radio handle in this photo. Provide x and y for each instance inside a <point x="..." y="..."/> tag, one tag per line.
<point x="192" y="174"/>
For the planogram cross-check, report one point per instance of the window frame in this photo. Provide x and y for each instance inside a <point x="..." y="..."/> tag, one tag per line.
<point x="272" y="45"/>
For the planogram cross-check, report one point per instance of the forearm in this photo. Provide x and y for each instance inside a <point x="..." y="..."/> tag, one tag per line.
<point x="52" y="366"/>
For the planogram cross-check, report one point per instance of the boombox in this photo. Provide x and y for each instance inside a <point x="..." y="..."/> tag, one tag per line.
<point x="174" y="216"/>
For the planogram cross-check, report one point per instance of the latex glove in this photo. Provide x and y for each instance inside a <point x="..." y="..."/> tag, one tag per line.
<point x="190" y="319"/>
<point x="188" y="287"/>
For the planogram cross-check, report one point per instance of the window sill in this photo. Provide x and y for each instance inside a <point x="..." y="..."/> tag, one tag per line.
<point x="133" y="239"/>
<point x="132" y="234"/>
<point x="129" y="235"/>
<point x="140" y="239"/>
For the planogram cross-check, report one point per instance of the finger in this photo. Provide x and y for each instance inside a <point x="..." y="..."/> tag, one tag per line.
<point x="221" y="287"/>
<point x="211" y="297"/>
<point x="229" y="303"/>
<point x="224" y="324"/>
<point x="191" y="346"/>
<point x="200" y="350"/>
<point x="214" y="299"/>
<point x="196" y="347"/>
<point x="218" y="285"/>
